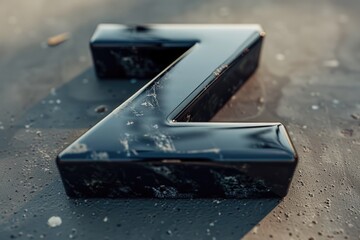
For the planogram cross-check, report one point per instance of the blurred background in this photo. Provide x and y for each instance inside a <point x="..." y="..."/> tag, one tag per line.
<point x="308" y="79"/>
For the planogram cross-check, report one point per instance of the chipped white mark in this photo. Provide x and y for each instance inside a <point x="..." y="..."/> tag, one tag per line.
<point x="165" y="192"/>
<point x="78" y="148"/>
<point x="147" y="104"/>
<point x="163" y="142"/>
<point x="54" y="221"/>
<point x="91" y="183"/>
<point x="162" y="170"/>
<point x="100" y="155"/>
<point x="154" y="96"/>
<point x="125" y="144"/>
<point x="136" y="113"/>
<point x="220" y="69"/>
<point x="130" y="123"/>
<point x="134" y="152"/>
<point x="210" y="150"/>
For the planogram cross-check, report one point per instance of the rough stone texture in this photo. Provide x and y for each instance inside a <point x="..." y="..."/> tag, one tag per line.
<point x="308" y="79"/>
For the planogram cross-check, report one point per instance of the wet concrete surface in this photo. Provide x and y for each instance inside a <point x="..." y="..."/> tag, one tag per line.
<point x="308" y="80"/>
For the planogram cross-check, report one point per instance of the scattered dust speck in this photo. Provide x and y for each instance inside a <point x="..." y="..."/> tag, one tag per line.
<point x="130" y="123"/>
<point x="53" y="91"/>
<point x="333" y="63"/>
<point x="255" y="230"/>
<point x="261" y="100"/>
<point x="82" y="59"/>
<point x="101" y="109"/>
<point x="105" y="219"/>
<point x="306" y="149"/>
<point x="315" y="107"/>
<point x="311" y="194"/>
<point x="328" y="203"/>
<point x="54" y="221"/>
<point x="347" y="132"/>
<point x="315" y="94"/>
<point x="58" y="39"/>
<point x="355" y="116"/>
<point x="280" y="57"/>
<point x="85" y="81"/>
<point x="78" y="148"/>
<point x="38" y="133"/>
<point x="133" y="81"/>
<point x="73" y="233"/>
<point x="335" y="101"/>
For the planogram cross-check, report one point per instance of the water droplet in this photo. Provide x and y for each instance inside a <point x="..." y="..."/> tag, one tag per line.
<point x="54" y="221"/>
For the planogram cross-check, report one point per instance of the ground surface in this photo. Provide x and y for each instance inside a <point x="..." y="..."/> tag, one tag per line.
<point x="309" y="79"/>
